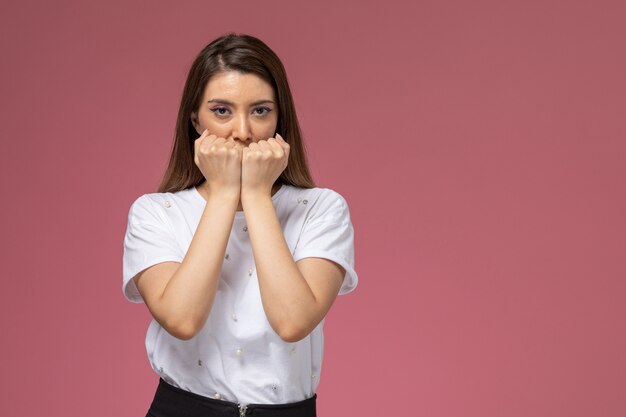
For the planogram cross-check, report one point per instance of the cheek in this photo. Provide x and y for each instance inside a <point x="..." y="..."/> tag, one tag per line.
<point x="266" y="128"/>
<point x="266" y="131"/>
<point x="208" y="121"/>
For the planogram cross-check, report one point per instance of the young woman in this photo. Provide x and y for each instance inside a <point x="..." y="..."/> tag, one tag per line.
<point x="238" y="256"/>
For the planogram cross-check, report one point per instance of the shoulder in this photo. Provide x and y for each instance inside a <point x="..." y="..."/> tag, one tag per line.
<point x="319" y="203"/>
<point x="315" y="194"/>
<point x="144" y="204"/>
<point x="152" y="207"/>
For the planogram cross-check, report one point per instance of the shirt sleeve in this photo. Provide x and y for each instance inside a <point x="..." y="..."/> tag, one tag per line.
<point x="328" y="233"/>
<point x="149" y="240"/>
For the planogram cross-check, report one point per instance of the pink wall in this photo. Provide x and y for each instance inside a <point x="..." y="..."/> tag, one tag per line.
<point x="480" y="145"/>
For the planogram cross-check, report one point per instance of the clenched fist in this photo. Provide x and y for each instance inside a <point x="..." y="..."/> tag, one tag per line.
<point x="262" y="164"/>
<point x="219" y="160"/>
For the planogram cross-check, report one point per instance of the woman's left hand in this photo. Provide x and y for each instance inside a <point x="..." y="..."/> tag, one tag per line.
<point x="261" y="165"/>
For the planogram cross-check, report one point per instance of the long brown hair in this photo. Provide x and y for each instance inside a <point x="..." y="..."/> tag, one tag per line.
<point x="246" y="54"/>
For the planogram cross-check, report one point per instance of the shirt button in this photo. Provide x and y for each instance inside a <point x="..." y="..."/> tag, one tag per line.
<point x="250" y="272"/>
<point x="168" y="204"/>
<point x="234" y="316"/>
<point x="239" y="351"/>
<point x="199" y="362"/>
<point x="217" y="396"/>
<point x="274" y="387"/>
<point x="293" y="350"/>
<point x="245" y="228"/>
<point x="227" y="257"/>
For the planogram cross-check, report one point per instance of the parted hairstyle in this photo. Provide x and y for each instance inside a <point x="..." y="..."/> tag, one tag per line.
<point x="246" y="54"/>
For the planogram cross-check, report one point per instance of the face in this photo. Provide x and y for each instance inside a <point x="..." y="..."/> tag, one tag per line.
<point x="237" y="106"/>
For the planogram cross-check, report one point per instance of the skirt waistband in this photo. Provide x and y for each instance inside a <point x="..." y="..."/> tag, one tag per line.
<point x="171" y="401"/>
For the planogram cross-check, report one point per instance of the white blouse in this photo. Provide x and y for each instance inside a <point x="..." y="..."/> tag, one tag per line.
<point x="237" y="356"/>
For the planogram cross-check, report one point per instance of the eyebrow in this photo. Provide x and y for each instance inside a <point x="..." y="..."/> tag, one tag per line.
<point x="230" y="103"/>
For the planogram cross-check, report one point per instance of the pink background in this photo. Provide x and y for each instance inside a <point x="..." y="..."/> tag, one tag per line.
<point x="481" y="148"/>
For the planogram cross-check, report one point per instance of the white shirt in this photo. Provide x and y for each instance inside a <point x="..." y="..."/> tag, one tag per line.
<point x="237" y="356"/>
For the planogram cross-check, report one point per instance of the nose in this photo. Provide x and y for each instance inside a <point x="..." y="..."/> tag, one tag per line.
<point x="241" y="129"/>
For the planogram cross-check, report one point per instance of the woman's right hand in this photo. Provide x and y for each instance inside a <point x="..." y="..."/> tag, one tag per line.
<point x="180" y="295"/>
<point x="219" y="160"/>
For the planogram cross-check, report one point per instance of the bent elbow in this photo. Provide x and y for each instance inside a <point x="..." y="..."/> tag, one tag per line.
<point x="182" y="331"/>
<point x="293" y="334"/>
<point x="182" y="334"/>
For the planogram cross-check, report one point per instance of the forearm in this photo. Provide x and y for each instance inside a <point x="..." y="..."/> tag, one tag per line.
<point x="287" y="298"/>
<point x="188" y="296"/>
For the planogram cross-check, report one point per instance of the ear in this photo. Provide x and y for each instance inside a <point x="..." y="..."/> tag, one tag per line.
<point x="194" y="122"/>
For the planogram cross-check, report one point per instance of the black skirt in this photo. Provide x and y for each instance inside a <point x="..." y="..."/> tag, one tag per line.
<point x="171" y="401"/>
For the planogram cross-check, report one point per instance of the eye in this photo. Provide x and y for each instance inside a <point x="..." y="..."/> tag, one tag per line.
<point x="220" y="111"/>
<point x="262" y="111"/>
